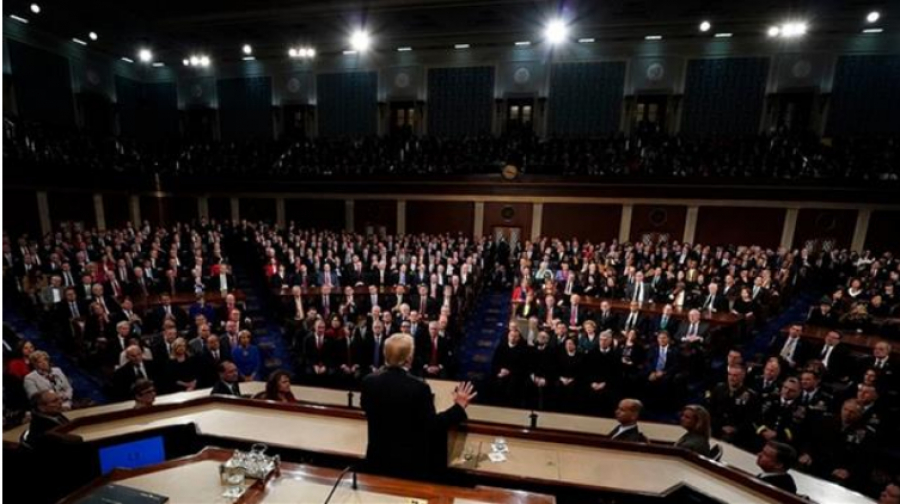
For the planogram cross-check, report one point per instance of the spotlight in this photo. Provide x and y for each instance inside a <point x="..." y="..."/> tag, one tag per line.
<point x="127" y="60"/>
<point x="873" y="17"/>
<point x="204" y="61"/>
<point x="873" y="30"/>
<point x="35" y="8"/>
<point x="774" y="31"/>
<point x="653" y="37"/>
<point x="18" y="18"/>
<point x="556" y="31"/>
<point x="247" y="49"/>
<point x="461" y="46"/>
<point x="292" y="52"/>
<point x="705" y="26"/>
<point x="194" y="61"/>
<point x="185" y="62"/>
<point x="360" y="41"/>
<point x="791" y="30"/>
<point x="144" y="55"/>
<point x="79" y="41"/>
<point x="93" y="36"/>
<point x="404" y="49"/>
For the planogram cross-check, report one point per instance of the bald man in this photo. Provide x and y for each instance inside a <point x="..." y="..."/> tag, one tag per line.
<point x="407" y="437"/>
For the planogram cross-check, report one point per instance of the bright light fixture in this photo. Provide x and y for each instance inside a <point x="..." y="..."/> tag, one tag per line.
<point x="873" y="30"/>
<point x="93" y="36"/>
<point x="127" y="60"/>
<point x="791" y="30"/>
<point x="705" y="26"/>
<point x="653" y="37"/>
<point x="556" y="31"/>
<point x="204" y="61"/>
<point x="247" y="49"/>
<point x="360" y="40"/>
<point x="523" y="43"/>
<point x="18" y="18"/>
<point x="586" y="41"/>
<point x="248" y="58"/>
<point x="144" y="55"/>
<point x="723" y="35"/>
<point x="873" y="17"/>
<point x="404" y="49"/>
<point x="185" y="62"/>
<point x="35" y="8"/>
<point x="158" y="64"/>
<point x="194" y="61"/>
<point x="774" y="31"/>
<point x="79" y="41"/>
<point x="461" y="46"/>
<point x="292" y="52"/>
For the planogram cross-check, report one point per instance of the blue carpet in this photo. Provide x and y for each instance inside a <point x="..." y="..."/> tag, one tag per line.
<point x="484" y="330"/>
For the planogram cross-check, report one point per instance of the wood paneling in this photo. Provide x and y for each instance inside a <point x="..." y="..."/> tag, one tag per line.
<point x="71" y="207"/>
<point x="434" y="217"/>
<point x="375" y="213"/>
<point x="115" y="210"/>
<point x="182" y="209"/>
<point x="824" y="225"/>
<point x="258" y="209"/>
<point x="740" y="226"/>
<point x="883" y="234"/>
<point x="597" y="223"/>
<point x="519" y="216"/>
<point x="219" y="209"/>
<point x="20" y="213"/>
<point x="318" y="214"/>
<point x="155" y="210"/>
<point x="661" y="219"/>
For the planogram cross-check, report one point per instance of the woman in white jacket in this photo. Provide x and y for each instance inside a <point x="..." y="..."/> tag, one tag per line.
<point x="44" y="377"/>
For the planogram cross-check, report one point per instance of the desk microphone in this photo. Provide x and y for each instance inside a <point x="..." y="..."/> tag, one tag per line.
<point x="350" y="399"/>
<point x="340" y="478"/>
<point x="534" y="418"/>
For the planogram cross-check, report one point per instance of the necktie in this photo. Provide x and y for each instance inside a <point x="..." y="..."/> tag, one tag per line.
<point x="665" y="320"/>
<point x="434" y="351"/>
<point x="573" y="320"/>
<point x="661" y="362"/>
<point x="318" y="342"/>
<point x="376" y="357"/>
<point x="168" y="310"/>
<point x="74" y="308"/>
<point x="693" y="329"/>
<point x="422" y="306"/>
<point x="216" y="355"/>
<point x="788" y="349"/>
<point x="140" y="372"/>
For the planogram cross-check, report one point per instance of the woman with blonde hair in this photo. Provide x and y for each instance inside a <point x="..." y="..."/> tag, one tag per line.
<point x="695" y="420"/>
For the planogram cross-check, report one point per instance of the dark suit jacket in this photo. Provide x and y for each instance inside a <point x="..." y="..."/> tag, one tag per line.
<point x="407" y="437"/>
<point x="671" y="366"/>
<point x="124" y="377"/>
<point x="221" y="388"/>
<point x="783" y="481"/>
<point x="423" y="353"/>
<point x="629" y="436"/>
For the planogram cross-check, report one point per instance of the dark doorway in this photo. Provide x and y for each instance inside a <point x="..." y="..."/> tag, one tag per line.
<point x="794" y="111"/>
<point x="650" y="113"/>
<point x="403" y="118"/>
<point x="199" y="124"/>
<point x="519" y="115"/>
<point x="295" y="121"/>
<point x="96" y="112"/>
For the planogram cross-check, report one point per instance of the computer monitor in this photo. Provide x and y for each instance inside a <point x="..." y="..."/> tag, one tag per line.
<point x="133" y="454"/>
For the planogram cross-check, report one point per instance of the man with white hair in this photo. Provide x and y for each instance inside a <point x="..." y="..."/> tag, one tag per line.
<point x="407" y="437"/>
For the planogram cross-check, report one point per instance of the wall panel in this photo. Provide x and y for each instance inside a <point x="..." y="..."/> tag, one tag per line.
<point x="508" y="215"/>
<point x="661" y="220"/>
<point x="834" y="226"/>
<point x="258" y="209"/>
<point x="375" y="213"/>
<point x="883" y="233"/>
<point x="434" y="217"/>
<point x="318" y="214"/>
<point x="740" y="226"/>
<point x="597" y="223"/>
<point x="71" y="207"/>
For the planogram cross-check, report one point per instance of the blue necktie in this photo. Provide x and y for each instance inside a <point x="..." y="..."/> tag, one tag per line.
<point x="661" y="362"/>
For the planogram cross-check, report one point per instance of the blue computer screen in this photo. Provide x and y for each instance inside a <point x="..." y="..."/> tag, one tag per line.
<point x="132" y="454"/>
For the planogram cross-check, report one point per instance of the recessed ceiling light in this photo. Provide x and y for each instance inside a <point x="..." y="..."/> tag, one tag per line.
<point x="145" y="55"/>
<point x="79" y="41"/>
<point x="774" y="31"/>
<point x="653" y="37"/>
<point x="93" y="36"/>
<point x="586" y="41"/>
<point x="461" y="46"/>
<point x="35" y="8"/>
<point x="705" y="26"/>
<point x="873" y="30"/>
<point x="18" y="18"/>
<point x="204" y="61"/>
<point x="404" y="49"/>
<point x="185" y="62"/>
<point x="360" y="40"/>
<point x="247" y="49"/>
<point x="723" y="35"/>
<point x="523" y="43"/>
<point x="873" y="17"/>
<point x="556" y="31"/>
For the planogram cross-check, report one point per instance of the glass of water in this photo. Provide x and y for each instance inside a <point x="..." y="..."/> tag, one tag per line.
<point x="234" y="478"/>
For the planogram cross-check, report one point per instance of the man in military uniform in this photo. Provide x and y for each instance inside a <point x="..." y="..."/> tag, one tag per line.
<point x="782" y="417"/>
<point x="841" y="448"/>
<point x="733" y="406"/>
<point x="767" y="383"/>
<point x="872" y="409"/>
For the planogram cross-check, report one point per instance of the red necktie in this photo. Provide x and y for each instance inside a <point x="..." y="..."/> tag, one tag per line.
<point x="574" y="319"/>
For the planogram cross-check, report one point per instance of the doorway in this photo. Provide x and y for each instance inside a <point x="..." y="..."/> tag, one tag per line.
<point x="294" y="121"/>
<point x="649" y="113"/>
<point x="403" y="118"/>
<point x="793" y="111"/>
<point x="511" y="235"/>
<point x="519" y="115"/>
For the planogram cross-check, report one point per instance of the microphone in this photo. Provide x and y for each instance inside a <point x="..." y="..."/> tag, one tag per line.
<point x="350" y="399"/>
<point x="340" y="478"/>
<point x="534" y="418"/>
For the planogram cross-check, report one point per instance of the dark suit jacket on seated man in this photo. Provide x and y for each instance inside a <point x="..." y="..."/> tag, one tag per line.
<point x="407" y="437"/>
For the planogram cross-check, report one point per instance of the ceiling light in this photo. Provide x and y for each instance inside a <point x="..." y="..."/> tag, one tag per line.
<point x="586" y="41"/>
<point x="144" y="55"/>
<point x="93" y="36"/>
<point x="248" y="58"/>
<point x="350" y="51"/>
<point x="18" y="18"/>
<point x="461" y="46"/>
<point x="194" y="61"/>
<point x="873" y="30"/>
<point x="158" y="64"/>
<point x="653" y="37"/>
<point x="292" y="52"/>
<point x="360" y="40"/>
<point x="705" y="26"/>
<point x="523" y="43"/>
<point x="247" y="49"/>
<point x="79" y="41"/>
<point x="127" y="60"/>
<point x="404" y="49"/>
<point x="774" y="31"/>
<point x="556" y="31"/>
<point x="722" y="35"/>
<point x="185" y="62"/>
<point x="35" y="8"/>
<point x="791" y="30"/>
<point x="204" y="61"/>
<point x="310" y="52"/>
<point x="873" y="17"/>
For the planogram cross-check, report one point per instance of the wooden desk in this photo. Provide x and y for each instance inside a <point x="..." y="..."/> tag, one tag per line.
<point x="218" y="421"/>
<point x="294" y="483"/>
<point x="719" y="319"/>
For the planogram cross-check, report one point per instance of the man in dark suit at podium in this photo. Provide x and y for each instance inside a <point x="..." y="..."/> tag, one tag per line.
<point x="407" y="437"/>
